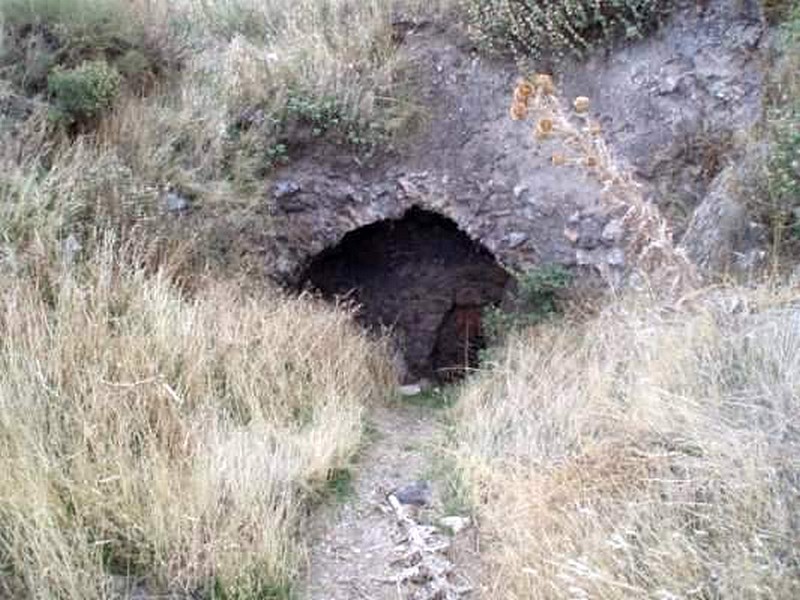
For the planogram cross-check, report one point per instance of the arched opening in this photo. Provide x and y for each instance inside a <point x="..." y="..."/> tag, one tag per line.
<point x="423" y="277"/>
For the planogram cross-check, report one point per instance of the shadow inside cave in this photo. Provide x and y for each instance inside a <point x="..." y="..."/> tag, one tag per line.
<point x="424" y="278"/>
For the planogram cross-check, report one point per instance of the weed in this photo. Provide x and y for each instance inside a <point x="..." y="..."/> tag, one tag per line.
<point x="45" y="34"/>
<point x="539" y="28"/>
<point x="778" y="11"/>
<point x="371" y="433"/>
<point x="339" y="482"/>
<point x="77" y="15"/>
<point x="454" y="487"/>
<point x="784" y="174"/>
<point x="784" y="166"/>
<point x="82" y="94"/>
<point x="778" y="204"/>
<point x="649" y="247"/>
<point x="256" y="588"/>
<point x="261" y="139"/>
<point x="535" y="299"/>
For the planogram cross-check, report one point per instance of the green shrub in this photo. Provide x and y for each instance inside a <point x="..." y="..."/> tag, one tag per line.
<point x="72" y="30"/>
<point x="780" y="206"/>
<point x="82" y="94"/>
<point x="325" y="115"/>
<point x="535" y="300"/>
<point x="777" y="10"/>
<point x="135" y="67"/>
<point x="71" y="13"/>
<point x="537" y="28"/>
<point x="41" y="35"/>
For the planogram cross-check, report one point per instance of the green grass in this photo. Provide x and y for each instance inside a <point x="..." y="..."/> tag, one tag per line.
<point x="444" y="469"/>
<point x="339" y="484"/>
<point x="537" y="297"/>
<point x="264" y="590"/>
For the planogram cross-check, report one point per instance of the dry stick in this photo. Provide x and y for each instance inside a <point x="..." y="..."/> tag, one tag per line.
<point x="430" y="566"/>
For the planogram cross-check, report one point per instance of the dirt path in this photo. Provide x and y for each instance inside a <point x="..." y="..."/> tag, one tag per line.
<point x="362" y="548"/>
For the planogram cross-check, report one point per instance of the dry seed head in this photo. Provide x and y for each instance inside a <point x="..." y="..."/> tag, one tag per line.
<point x="518" y="111"/>
<point x="524" y="90"/>
<point x="544" y="83"/>
<point x="595" y="129"/>
<point x="544" y="127"/>
<point x="591" y="161"/>
<point x="581" y="104"/>
<point x="559" y="159"/>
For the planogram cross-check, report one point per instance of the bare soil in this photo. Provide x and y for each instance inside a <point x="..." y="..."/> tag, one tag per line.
<point x="358" y="545"/>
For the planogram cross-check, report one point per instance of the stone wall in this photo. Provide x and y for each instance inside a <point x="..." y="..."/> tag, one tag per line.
<point x="671" y="106"/>
<point x="422" y="278"/>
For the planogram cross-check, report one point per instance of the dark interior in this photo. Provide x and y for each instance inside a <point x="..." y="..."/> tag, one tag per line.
<point x="424" y="278"/>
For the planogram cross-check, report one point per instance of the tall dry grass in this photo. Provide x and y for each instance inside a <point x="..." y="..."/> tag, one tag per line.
<point x="248" y="58"/>
<point x="222" y="113"/>
<point x="147" y="438"/>
<point x="651" y="452"/>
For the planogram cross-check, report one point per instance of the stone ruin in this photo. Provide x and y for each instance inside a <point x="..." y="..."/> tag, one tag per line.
<point x="421" y="277"/>
<point x="426" y="237"/>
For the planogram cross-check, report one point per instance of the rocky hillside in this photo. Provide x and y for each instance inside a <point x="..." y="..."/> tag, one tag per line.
<point x="230" y="230"/>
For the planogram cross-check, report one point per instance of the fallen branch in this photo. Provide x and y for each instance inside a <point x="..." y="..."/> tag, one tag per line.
<point x="423" y="555"/>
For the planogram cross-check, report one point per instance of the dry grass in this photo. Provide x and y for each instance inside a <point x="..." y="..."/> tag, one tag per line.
<point x="652" y="452"/>
<point x="249" y="58"/>
<point x="176" y="440"/>
<point x="145" y="435"/>
<point x="243" y="86"/>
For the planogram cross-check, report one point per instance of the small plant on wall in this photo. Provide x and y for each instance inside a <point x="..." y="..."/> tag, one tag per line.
<point x="535" y="300"/>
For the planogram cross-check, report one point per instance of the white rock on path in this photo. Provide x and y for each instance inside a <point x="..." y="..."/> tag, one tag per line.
<point x="454" y="523"/>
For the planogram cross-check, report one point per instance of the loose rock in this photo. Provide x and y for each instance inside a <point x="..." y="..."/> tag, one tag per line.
<point x="454" y="523"/>
<point x="284" y="189"/>
<point x="418" y="493"/>
<point x="410" y="390"/>
<point x="176" y="203"/>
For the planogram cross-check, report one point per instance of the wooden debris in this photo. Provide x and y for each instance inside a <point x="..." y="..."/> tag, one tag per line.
<point x="423" y="558"/>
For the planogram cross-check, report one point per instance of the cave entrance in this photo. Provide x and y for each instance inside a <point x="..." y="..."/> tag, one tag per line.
<point x="424" y="278"/>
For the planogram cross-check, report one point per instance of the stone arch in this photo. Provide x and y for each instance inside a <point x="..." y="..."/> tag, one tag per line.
<point x="423" y="277"/>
